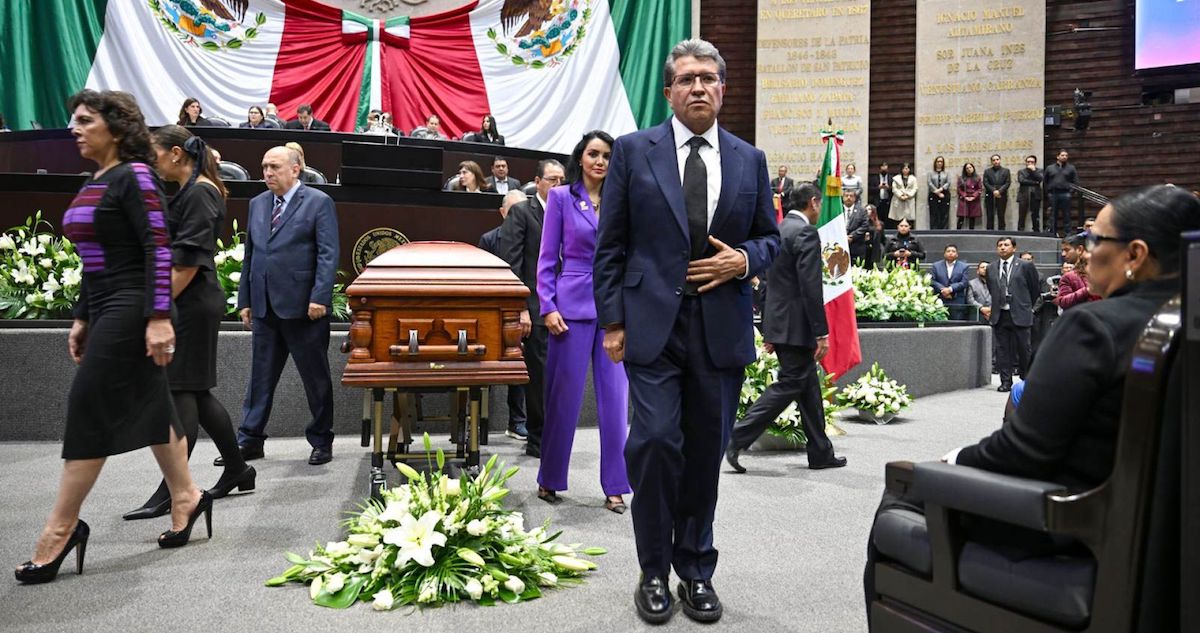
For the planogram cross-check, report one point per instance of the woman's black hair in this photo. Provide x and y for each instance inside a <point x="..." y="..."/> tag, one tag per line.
<point x="974" y="170"/>
<point x="575" y="166"/>
<point x="124" y="120"/>
<point x="169" y="136"/>
<point x="1157" y="215"/>
<point x="489" y="131"/>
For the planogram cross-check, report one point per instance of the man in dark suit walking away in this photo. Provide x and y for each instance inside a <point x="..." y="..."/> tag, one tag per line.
<point x="520" y="244"/>
<point x="687" y="221"/>
<point x="795" y="330"/>
<point x="1014" y="286"/>
<point x="490" y="242"/>
<point x="285" y="296"/>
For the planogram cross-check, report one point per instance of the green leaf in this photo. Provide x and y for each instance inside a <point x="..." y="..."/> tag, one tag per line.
<point x="491" y="33"/>
<point x="344" y="598"/>
<point x="532" y="592"/>
<point x="260" y="19"/>
<point x="518" y="61"/>
<point x="296" y="559"/>
<point x="502" y="48"/>
<point x="251" y="33"/>
<point x="508" y="596"/>
<point x="212" y="46"/>
<point x="595" y="551"/>
<point x="234" y="43"/>
<point x="537" y="63"/>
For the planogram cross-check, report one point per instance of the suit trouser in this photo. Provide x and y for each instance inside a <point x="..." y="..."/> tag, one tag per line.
<point x="996" y="208"/>
<point x="1029" y="202"/>
<point x="516" y="405"/>
<point x="1060" y="210"/>
<point x="274" y="339"/>
<point x="939" y="212"/>
<point x="1012" y="346"/>
<point x="683" y="410"/>
<point x="567" y="357"/>
<point x="534" y="347"/>
<point x="797" y="382"/>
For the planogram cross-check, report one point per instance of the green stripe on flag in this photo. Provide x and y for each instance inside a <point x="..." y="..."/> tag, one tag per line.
<point x="45" y="55"/>
<point x="364" y="90"/>
<point x="646" y="31"/>
<point x="830" y="184"/>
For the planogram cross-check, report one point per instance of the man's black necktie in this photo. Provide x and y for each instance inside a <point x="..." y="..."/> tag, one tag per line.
<point x="695" y="196"/>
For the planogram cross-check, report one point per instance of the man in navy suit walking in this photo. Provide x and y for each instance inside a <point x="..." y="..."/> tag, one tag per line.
<point x="285" y="296"/>
<point x="687" y="221"/>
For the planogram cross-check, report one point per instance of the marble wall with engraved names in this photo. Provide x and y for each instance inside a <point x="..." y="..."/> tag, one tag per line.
<point x="813" y="65"/>
<point x="980" y="90"/>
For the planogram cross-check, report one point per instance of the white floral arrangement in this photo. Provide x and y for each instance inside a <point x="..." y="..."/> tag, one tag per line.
<point x="40" y="272"/>
<point x="764" y="371"/>
<point x="876" y="394"/>
<point x="896" y="294"/>
<point x="437" y="540"/>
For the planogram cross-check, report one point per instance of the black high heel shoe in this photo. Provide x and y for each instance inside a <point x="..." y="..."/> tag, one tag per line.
<point x="31" y="573"/>
<point x="149" y="511"/>
<point x="171" y="538"/>
<point x="243" y="481"/>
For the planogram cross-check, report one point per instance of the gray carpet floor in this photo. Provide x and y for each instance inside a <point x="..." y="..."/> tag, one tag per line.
<point x="792" y="541"/>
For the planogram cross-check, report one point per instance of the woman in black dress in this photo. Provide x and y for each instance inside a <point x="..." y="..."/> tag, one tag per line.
<point x="189" y="114"/>
<point x="194" y="219"/>
<point x="122" y="337"/>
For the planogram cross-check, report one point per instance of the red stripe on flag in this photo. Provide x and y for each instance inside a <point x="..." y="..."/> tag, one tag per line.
<point x="436" y="73"/>
<point x="318" y="65"/>
<point x="844" y="350"/>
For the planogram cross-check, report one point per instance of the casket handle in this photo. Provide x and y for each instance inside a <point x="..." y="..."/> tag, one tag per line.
<point x="462" y="342"/>
<point x="413" y="346"/>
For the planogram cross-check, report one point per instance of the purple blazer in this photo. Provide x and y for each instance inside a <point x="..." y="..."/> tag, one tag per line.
<point x="569" y="236"/>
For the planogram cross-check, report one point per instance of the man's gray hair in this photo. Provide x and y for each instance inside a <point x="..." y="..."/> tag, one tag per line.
<point x="695" y="47"/>
<point x="515" y="196"/>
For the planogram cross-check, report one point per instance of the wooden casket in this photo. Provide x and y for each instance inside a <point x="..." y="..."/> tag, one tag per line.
<point x="435" y="314"/>
<point x="432" y="317"/>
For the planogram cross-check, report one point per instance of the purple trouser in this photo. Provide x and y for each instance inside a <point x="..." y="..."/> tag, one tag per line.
<point x="567" y="358"/>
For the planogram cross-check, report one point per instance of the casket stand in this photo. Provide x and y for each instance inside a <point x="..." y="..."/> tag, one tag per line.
<point x="432" y="317"/>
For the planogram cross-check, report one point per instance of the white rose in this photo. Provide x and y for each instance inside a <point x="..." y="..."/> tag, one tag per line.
<point x="335" y="582"/>
<point x="220" y="258"/>
<point x="477" y="527"/>
<point x="239" y="252"/>
<point x="474" y="589"/>
<point x="235" y="277"/>
<point x="44" y="238"/>
<point x="451" y="487"/>
<point x="383" y="600"/>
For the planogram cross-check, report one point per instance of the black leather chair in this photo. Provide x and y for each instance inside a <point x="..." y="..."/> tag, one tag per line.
<point x="931" y="578"/>
<point x="310" y="176"/>
<point x="229" y="170"/>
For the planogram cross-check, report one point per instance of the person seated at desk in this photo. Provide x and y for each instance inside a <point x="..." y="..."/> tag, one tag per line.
<point x="307" y="176"/>
<point x="431" y="129"/>
<point x="1064" y="428"/>
<point x="487" y="132"/>
<point x="306" y="121"/>
<point x="470" y="178"/>
<point x="189" y="114"/>
<point x="903" y="248"/>
<point x="257" y="119"/>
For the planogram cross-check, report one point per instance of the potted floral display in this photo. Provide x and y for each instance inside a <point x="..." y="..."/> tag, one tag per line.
<point x="896" y="294"/>
<point x="764" y="371"/>
<point x="40" y="272"/>
<point x="877" y="398"/>
<point x="435" y="540"/>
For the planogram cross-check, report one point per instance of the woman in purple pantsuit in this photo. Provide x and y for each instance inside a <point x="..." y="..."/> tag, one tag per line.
<point x="564" y="285"/>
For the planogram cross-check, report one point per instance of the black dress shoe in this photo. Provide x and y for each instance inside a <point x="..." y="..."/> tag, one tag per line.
<point x="149" y="511"/>
<point x="248" y="453"/>
<point x="731" y="458"/>
<point x="1004" y="388"/>
<point x="653" y="600"/>
<point x="700" y="601"/>
<point x="533" y="451"/>
<point x="243" y="481"/>
<point x="320" y="456"/>
<point x="836" y="462"/>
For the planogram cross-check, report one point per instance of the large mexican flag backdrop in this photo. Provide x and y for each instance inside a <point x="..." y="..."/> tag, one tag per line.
<point x="548" y="70"/>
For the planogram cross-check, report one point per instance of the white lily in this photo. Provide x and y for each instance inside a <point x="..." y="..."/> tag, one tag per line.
<point x="416" y="539"/>
<point x="383" y="600"/>
<point x="477" y="527"/>
<point x="428" y="591"/>
<point x="44" y="238"/>
<point x="451" y="487"/>
<point x="7" y="243"/>
<point x="547" y="579"/>
<point x="515" y="585"/>
<point x="335" y="583"/>
<point x="334" y="549"/>
<point x="394" y="511"/>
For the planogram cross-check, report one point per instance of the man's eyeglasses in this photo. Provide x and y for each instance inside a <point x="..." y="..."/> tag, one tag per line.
<point x="1091" y="240"/>
<point x="708" y="80"/>
<point x="554" y="180"/>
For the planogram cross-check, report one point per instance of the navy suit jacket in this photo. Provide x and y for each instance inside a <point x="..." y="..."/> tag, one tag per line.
<point x="297" y="264"/>
<point x="642" y="246"/>
<point x="957" y="282"/>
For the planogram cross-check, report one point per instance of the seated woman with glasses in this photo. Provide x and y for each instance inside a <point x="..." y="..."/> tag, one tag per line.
<point x="1064" y="429"/>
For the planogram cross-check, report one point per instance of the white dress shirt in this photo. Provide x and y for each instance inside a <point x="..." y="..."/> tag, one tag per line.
<point x="710" y="154"/>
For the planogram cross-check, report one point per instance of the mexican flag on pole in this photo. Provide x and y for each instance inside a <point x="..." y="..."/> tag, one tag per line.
<point x="844" y="351"/>
<point x="548" y="71"/>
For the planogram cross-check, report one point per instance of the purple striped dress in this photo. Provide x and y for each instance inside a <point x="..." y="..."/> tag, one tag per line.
<point x="119" y="400"/>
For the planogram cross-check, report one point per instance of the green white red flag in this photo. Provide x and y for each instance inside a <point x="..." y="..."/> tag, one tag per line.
<point x="844" y="350"/>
